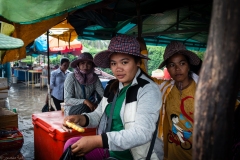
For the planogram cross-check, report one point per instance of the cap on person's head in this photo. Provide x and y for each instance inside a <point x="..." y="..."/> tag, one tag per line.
<point x="85" y="56"/>
<point x="7" y="42"/>
<point x="119" y="44"/>
<point x="176" y="47"/>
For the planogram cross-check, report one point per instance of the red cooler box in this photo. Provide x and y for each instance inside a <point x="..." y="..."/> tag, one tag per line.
<point x="49" y="137"/>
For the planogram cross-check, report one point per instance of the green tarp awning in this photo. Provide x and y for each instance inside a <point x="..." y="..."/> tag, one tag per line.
<point x="27" y="12"/>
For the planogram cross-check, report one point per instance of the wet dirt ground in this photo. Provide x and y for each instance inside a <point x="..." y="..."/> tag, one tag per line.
<point x="27" y="100"/>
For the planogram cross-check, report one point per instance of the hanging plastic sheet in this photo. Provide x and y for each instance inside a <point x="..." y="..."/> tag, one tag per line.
<point x="39" y="10"/>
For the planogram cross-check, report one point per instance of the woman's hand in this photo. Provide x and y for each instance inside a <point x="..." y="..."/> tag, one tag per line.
<point x="87" y="144"/>
<point x="91" y="105"/>
<point x="77" y="119"/>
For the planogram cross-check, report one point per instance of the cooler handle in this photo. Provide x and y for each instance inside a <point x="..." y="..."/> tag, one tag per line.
<point x="51" y="131"/>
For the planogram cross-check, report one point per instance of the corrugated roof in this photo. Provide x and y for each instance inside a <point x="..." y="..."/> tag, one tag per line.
<point x="162" y="21"/>
<point x="187" y="22"/>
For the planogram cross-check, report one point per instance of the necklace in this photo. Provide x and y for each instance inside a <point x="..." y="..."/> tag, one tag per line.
<point x="180" y="88"/>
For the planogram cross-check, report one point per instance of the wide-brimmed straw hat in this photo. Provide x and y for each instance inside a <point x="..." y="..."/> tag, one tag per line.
<point x="119" y="44"/>
<point x="178" y="47"/>
<point x="7" y="42"/>
<point x="85" y="56"/>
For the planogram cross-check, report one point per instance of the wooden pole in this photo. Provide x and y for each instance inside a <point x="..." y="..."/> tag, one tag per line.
<point x="218" y="84"/>
<point x="139" y="16"/>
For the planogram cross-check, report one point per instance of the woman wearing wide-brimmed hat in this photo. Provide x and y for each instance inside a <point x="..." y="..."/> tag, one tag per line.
<point x="83" y="89"/>
<point x="177" y="112"/>
<point x="129" y="133"/>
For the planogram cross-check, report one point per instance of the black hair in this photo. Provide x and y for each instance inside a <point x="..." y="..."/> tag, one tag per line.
<point x="196" y="68"/>
<point x="193" y="68"/>
<point x="173" y="116"/>
<point x="137" y="59"/>
<point x="63" y="60"/>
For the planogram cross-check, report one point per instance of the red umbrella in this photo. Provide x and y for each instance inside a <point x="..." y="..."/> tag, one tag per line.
<point x="64" y="47"/>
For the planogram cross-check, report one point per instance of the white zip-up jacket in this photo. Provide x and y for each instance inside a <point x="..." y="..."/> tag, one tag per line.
<point x="139" y="114"/>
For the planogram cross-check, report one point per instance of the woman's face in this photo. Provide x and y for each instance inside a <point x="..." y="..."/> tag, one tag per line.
<point x="123" y="67"/>
<point x="85" y="66"/>
<point x="178" y="67"/>
<point x="65" y="66"/>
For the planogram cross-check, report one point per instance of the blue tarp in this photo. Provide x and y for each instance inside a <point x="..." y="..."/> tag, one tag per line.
<point x="40" y="43"/>
<point x="40" y="47"/>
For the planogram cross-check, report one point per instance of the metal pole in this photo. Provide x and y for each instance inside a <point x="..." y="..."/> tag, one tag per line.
<point x="48" y="55"/>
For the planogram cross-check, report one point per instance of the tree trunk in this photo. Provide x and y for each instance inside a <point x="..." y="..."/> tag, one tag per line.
<point x="218" y="84"/>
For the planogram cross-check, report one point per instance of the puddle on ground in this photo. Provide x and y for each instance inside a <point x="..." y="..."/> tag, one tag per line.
<point x="27" y="100"/>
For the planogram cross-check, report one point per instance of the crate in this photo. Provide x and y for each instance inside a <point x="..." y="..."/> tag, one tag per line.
<point x="3" y="83"/>
<point x="49" y="137"/>
<point x="12" y="155"/>
<point x="8" y="118"/>
<point x="4" y="93"/>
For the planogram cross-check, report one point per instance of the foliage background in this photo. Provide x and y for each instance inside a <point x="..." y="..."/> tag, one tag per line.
<point x="155" y="53"/>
